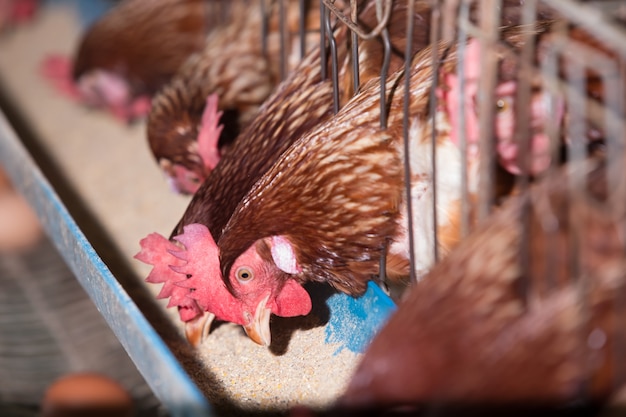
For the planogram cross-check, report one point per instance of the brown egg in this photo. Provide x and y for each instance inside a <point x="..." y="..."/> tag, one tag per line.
<point x="86" y="394"/>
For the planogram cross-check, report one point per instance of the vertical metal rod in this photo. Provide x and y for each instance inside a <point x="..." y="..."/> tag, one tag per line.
<point x="449" y="19"/>
<point x="264" y="27"/>
<point x="356" y="82"/>
<point x="550" y="71"/>
<point x="522" y="136"/>
<point x="405" y="134"/>
<point x="578" y="152"/>
<point x="434" y="40"/>
<point x="334" y="65"/>
<point x="576" y="79"/>
<point x="382" y="266"/>
<point x="464" y="9"/>
<point x="323" y="41"/>
<point x="383" y="78"/>
<point x="302" y="29"/>
<point x="489" y="22"/>
<point x="522" y="133"/>
<point x="282" y="24"/>
<point x="385" y="67"/>
<point x="614" y="88"/>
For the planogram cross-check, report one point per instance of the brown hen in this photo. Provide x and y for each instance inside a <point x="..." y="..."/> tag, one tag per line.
<point x="510" y="316"/>
<point x="129" y="53"/>
<point x="238" y="73"/>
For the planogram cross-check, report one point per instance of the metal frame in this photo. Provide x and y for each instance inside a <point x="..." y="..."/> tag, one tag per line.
<point x="153" y="359"/>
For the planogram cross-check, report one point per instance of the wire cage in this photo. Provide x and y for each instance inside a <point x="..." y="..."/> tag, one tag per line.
<point x="539" y="87"/>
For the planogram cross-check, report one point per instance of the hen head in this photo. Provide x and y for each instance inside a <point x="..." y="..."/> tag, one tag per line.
<point x="97" y="88"/>
<point x="187" y="149"/>
<point x="263" y="280"/>
<point x="508" y="149"/>
<point x="192" y="274"/>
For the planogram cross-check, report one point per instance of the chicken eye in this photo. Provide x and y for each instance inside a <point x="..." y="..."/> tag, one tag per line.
<point x="244" y="274"/>
<point x="502" y="105"/>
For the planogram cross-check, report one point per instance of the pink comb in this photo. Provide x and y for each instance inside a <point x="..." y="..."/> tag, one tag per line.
<point x="209" y="134"/>
<point x="201" y="263"/>
<point x="156" y="250"/>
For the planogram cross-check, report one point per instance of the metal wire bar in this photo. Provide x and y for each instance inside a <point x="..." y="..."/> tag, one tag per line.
<point x="302" y="28"/>
<point x="594" y="21"/>
<point x="464" y="8"/>
<point x="434" y="39"/>
<point x="577" y="151"/>
<point x="550" y="69"/>
<point x="382" y="20"/>
<point x="383" y="78"/>
<point x="356" y="83"/>
<point x="264" y="27"/>
<point x="334" y="64"/>
<point x="405" y="135"/>
<point x="606" y="114"/>
<point x="521" y="135"/>
<point x="323" y="59"/>
<point x="489" y="24"/>
<point x="283" y="38"/>
<point x="450" y="11"/>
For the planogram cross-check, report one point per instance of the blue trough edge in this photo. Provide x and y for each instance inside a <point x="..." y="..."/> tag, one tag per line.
<point x="152" y="357"/>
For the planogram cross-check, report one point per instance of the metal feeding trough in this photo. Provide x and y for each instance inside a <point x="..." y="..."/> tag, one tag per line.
<point x="97" y="192"/>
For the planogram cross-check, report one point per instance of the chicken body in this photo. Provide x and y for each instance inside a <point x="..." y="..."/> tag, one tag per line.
<point x="128" y="54"/>
<point x="234" y="66"/>
<point x="490" y="325"/>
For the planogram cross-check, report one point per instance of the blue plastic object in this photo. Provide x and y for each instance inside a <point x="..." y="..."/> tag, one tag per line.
<point x="355" y="321"/>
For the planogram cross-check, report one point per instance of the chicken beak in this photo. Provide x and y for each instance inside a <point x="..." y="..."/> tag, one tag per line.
<point x="258" y="329"/>
<point x="197" y="329"/>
